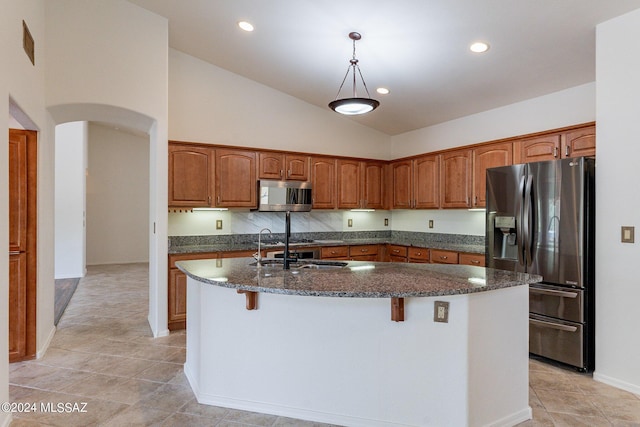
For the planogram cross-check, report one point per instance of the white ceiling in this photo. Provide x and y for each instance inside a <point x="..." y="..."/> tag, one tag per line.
<point x="416" y="48"/>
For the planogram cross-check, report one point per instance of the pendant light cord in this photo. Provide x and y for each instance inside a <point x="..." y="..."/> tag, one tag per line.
<point x="353" y="64"/>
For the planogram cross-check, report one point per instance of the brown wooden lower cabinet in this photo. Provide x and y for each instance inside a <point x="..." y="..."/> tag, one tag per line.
<point x="439" y="256"/>
<point x="472" y="259"/>
<point x="334" y="252"/>
<point x="364" y="252"/>
<point x="419" y="255"/>
<point x="396" y="253"/>
<point x="17" y="306"/>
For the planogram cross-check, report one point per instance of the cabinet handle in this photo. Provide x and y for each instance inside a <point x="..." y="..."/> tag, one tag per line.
<point x="217" y="200"/>
<point x="333" y="252"/>
<point x="289" y="173"/>
<point x="476" y="201"/>
<point x="443" y="257"/>
<point x="555" y="151"/>
<point x="281" y="173"/>
<point x="418" y="253"/>
<point x="364" y="250"/>
<point x="396" y="250"/>
<point x="209" y="200"/>
<point x="475" y="261"/>
<point x="566" y="150"/>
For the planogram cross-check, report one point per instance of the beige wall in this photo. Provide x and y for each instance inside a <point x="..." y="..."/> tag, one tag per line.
<point x="117" y="196"/>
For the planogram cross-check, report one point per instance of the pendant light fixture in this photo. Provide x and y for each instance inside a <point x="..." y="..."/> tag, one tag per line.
<point x="354" y="105"/>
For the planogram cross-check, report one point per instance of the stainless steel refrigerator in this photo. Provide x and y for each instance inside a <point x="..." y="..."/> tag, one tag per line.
<point x="541" y="220"/>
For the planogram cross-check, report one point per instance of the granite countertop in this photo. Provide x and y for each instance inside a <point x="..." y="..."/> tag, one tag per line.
<point x="358" y="279"/>
<point x="253" y="246"/>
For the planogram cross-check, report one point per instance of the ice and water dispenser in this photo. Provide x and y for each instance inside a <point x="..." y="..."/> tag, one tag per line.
<point x="505" y="243"/>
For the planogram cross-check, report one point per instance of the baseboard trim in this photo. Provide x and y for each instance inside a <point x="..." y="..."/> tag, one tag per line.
<point x="43" y="349"/>
<point x="617" y="383"/>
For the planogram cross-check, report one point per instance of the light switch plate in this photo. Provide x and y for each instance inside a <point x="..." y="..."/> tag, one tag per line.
<point x="218" y="224"/>
<point x="627" y="234"/>
<point x="430" y="223"/>
<point x="349" y="222"/>
<point x="441" y="311"/>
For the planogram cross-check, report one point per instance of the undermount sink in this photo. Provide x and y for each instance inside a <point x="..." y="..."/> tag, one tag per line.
<point x="300" y="264"/>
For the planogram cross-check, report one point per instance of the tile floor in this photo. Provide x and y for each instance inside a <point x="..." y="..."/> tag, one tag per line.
<point x="103" y="354"/>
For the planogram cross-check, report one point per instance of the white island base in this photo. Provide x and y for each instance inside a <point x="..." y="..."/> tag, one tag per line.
<point x="343" y="361"/>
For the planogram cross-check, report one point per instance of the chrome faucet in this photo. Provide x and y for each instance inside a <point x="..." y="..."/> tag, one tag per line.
<point x="258" y="256"/>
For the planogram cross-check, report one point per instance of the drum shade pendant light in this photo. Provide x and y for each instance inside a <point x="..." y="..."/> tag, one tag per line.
<point x="354" y="105"/>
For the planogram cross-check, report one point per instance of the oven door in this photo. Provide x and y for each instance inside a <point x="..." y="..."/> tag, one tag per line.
<point x="556" y="301"/>
<point x="557" y="340"/>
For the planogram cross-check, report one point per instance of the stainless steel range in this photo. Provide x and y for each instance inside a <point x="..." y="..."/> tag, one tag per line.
<point x="541" y="220"/>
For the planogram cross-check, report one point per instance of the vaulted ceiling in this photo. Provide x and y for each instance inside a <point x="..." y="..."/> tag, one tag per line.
<point x="418" y="49"/>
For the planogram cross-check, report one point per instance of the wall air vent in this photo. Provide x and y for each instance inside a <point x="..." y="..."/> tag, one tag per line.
<point x="28" y="44"/>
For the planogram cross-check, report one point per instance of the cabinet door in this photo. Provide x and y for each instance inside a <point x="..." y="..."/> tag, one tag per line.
<point x="190" y="176"/>
<point x="323" y="182"/>
<point x="426" y="181"/>
<point x="349" y="184"/>
<point x="297" y="167"/>
<point x="540" y="149"/>
<point x="270" y="165"/>
<point x="485" y="157"/>
<point x="334" y="252"/>
<point x="401" y="173"/>
<point x="455" y="179"/>
<point x="580" y="142"/>
<point x="17" y="307"/>
<point x="418" y="254"/>
<point x="177" y="299"/>
<point x="364" y="252"/>
<point x="17" y="192"/>
<point x="397" y="253"/>
<point x="236" y="183"/>
<point x="374" y="185"/>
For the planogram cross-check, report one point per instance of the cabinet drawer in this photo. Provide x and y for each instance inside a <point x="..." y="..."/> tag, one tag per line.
<point x="363" y="250"/>
<point x="472" y="259"/>
<point x="418" y="254"/>
<point x="334" y="252"/>
<point x="439" y="256"/>
<point x="397" y="251"/>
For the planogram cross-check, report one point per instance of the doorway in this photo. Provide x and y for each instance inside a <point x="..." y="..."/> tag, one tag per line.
<point x="23" y="155"/>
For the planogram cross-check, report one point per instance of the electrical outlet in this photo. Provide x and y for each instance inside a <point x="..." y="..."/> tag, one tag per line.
<point x="441" y="311"/>
<point x="349" y="222"/>
<point x="627" y="234"/>
<point x="386" y="222"/>
<point x="430" y="223"/>
<point x="218" y="224"/>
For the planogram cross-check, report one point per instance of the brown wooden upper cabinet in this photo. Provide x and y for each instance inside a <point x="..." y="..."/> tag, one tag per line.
<point x="573" y="143"/>
<point x="416" y="183"/>
<point x="485" y="157"/>
<point x="190" y="176"/>
<point x="580" y="142"/>
<point x="455" y="179"/>
<point x="283" y="166"/>
<point x="235" y="172"/>
<point x="360" y="184"/>
<point x="323" y="182"/>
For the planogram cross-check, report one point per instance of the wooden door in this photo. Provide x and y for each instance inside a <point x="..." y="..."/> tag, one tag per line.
<point x="539" y="149"/>
<point x="190" y="176"/>
<point x="236" y="183"/>
<point x="297" y="167"/>
<point x="485" y="157"/>
<point x="455" y="179"/>
<point x="373" y="187"/>
<point x="323" y="182"/>
<point x="402" y="176"/>
<point x="177" y="299"/>
<point x="23" y="177"/>
<point x="426" y="182"/>
<point x="580" y="142"/>
<point x="349" y="184"/>
<point x="270" y="165"/>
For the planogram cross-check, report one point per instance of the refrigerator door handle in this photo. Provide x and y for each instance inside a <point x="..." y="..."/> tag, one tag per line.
<point x="519" y="219"/>
<point x="552" y="325"/>
<point x="528" y="221"/>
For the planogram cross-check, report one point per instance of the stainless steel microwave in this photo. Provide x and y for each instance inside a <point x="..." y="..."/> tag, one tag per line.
<point x="283" y="196"/>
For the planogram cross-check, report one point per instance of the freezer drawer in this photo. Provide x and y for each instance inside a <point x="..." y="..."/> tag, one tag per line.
<point x="556" y="301"/>
<point x="557" y="340"/>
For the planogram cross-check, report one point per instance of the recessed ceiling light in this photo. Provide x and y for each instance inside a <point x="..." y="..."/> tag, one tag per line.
<point x="382" y="91"/>
<point x="245" y="26"/>
<point x="479" y="47"/>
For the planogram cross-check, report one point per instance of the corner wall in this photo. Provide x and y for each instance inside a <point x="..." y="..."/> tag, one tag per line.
<point x="617" y="283"/>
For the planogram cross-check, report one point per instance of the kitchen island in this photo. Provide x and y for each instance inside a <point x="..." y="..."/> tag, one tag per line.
<point x="358" y="344"/>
